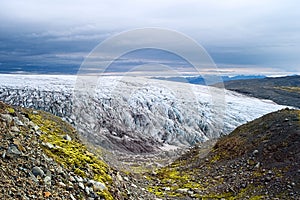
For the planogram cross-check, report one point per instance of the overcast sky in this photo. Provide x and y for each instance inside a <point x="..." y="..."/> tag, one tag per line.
<point x="249" y="36"/>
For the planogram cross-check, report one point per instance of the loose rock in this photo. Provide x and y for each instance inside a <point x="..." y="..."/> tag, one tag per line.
<point x="14" y="129"/>
<point x="47" y="180"/>
<point x="98" y="186"/>
<point x="13" y="151"/>
<point x="67" y="137"/>
<point x="17" y="121"/>
<point x="80" y="184"/>
<point x="36" y="171"/>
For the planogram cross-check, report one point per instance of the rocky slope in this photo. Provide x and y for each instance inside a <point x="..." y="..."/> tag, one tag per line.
<point x="135" y="114"/>
<point x="43" y="158"/>
<point x="258" y="160"/>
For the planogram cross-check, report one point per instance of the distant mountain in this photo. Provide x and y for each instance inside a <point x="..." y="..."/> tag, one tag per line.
<point x="242" y="77"/>
<point x="258" y="160"/>
<point x="282" y="90"/>
<point x="201" y="80"/>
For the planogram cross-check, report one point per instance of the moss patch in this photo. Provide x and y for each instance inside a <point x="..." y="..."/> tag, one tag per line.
<point x="10" y="110"/>
<point x="72" y="154"/>
<point x="289" y="89"/>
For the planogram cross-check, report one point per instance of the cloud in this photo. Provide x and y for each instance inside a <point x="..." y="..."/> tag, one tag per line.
<point x="251" y="32"/>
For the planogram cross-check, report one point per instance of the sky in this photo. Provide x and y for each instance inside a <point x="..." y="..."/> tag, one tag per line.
<point x="242" y="37"/>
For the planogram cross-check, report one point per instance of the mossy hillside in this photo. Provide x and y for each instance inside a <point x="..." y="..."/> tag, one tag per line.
<point x="274" y="137"/>
<point x="258" y="134"/>
<point x="182" y="174"/>
<point x="175" y="177"/>
<point x="72" y="154"/>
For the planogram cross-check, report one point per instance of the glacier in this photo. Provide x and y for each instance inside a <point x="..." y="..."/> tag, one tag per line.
<point x="136" y="114"/>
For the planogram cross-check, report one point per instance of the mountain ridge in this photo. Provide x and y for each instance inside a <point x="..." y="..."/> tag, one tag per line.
<point x="282" y="90"/>
<point x="199" y="80"/>
<point x="258" y="160"/>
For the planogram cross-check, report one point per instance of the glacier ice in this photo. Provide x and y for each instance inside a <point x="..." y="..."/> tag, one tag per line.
<point x="135" y="114"/>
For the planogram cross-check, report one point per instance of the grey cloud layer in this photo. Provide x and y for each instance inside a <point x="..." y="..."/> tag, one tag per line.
<point x="235" y="33"/>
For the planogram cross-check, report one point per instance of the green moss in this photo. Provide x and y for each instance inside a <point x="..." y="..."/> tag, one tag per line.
<point x="156" y="190"/>
<point x="215" y="158"/>
<point x="72" y="154"/>
<point x="79" y="172"/>
<point x="175" y="178"/>
<point x="289" y="89"/>
<point x="256" y="197"/>
<point x="171" y="177"/>
<point x="10" y="110"/>
<point x="105" y="194"/>
<point x="257" y="174"/>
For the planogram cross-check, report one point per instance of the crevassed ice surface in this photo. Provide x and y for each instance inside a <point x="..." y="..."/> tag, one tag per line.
<point x="135" y="114"/>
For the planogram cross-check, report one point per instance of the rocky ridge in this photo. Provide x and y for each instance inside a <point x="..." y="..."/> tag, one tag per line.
<point x="43" y="158"/>
<point x="282" y="90"/>
<point x="258" y="160"/>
